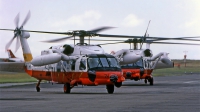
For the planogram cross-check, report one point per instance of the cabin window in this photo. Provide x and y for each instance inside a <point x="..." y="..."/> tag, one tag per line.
<point x="73" y="64"/>
<point x="147" y="64"/>
<point x="58" y="67"/>
<point x="82" y="64"/>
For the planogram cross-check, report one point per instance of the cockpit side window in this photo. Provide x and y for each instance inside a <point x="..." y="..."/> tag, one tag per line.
<point x="138" y="64"/>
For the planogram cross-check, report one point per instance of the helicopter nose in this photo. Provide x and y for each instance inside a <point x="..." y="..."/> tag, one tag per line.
<point x="113" y="78"/>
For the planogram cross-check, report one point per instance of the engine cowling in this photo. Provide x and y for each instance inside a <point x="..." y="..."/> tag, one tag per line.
<point x="127" y="56"/>
<point x="26" y="34"/>
<point x="130" y="58"/>
<point x="68" y="49"/>
<point x="147" y="53"/>
<point x="46" y="59"/>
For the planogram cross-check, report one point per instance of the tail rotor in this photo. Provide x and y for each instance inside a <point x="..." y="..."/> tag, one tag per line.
<point x="18" y="32"/>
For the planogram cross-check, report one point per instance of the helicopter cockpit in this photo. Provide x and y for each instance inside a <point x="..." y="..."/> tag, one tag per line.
<point x="138" y="64"/>
<point x="102" y="62"/>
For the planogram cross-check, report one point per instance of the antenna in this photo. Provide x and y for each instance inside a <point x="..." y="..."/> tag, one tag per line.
<point x="185" y="57"/>
<point x="145" y="35"/>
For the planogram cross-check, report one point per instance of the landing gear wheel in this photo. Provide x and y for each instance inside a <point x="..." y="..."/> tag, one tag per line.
<point x="38" y="89"/>
<point x="151" y="81"/>
<point x="110" y="89"/>
<point x="38" y="86"/>
<point x="145" y="81"/>
<point x="67" y="88"/>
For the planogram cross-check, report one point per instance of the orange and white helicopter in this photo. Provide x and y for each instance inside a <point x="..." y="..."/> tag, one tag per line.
<point x="138" y="63"/>
<point x="143" y="63"/>
<point x="71" y="65"/>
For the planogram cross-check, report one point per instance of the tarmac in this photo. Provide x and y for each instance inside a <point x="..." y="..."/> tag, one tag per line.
<point x="14" y="84"/>
<point x="169" y="93"/>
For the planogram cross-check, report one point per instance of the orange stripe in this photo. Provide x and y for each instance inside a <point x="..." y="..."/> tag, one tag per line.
<point x="27" y="57"/>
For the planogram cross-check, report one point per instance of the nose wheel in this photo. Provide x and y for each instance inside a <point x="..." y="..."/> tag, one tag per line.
<point x="150" y="81"/>
<point x="145" y="81"/>
<point x="110" y="89"/>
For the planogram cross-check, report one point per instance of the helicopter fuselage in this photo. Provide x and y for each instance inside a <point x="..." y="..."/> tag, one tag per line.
<point x="136" y="71"/>
<point x="91" y="69"/>
<point x="139" y="64"/>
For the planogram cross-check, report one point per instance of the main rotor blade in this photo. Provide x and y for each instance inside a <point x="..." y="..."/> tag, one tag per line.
<point x="160" y="39"/>
<point x="64" y="33"/>
<point x="9" y="43"/>
<point x="123" y="41"/>
<point x="118" y="36"/>
<point x="173" y="43"/>
<point x="26" y="19"/>
<point x="57" y="40"/>
<point x="99" y="40"/>
<point x="111" y="43"/>
<point x="17" y="43"/>
<point x="17" y="20"/>
<point x="152" y="42"/>
<point x="164" y="38"/>
<point x="190" y="37"/>
<point x="70" y="33"/>
<point x="8" y="29"/>
<point x="101" y="29"/>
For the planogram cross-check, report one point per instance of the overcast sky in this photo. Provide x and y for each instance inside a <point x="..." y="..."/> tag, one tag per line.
<point x="169" y="18"/>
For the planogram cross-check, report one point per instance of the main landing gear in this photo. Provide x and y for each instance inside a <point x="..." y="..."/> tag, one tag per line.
<point x="145" y="81"/>
<point x="38" y="86"/>
<point x="150" y="80"/>
<point x="67" y="88"/>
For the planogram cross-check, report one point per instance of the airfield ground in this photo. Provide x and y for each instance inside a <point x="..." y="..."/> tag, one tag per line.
<point x="172" y="91"/>
<point x="169" y="94"/>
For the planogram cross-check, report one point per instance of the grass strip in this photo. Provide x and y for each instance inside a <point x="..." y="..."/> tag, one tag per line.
<point x="15" y="78"/>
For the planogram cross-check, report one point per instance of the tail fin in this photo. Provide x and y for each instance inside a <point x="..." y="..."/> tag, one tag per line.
<point x="10" y="54"/>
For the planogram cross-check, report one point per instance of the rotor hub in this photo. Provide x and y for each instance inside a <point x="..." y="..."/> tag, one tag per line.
<point x="17" y="31"/>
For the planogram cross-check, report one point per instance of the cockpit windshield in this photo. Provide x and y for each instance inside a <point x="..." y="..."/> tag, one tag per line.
<point x="138" y="64"/>
<point x="102" y="63"/>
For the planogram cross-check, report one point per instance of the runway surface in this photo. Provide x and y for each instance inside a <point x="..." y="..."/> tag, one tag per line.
<point x="170" y="93"/>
